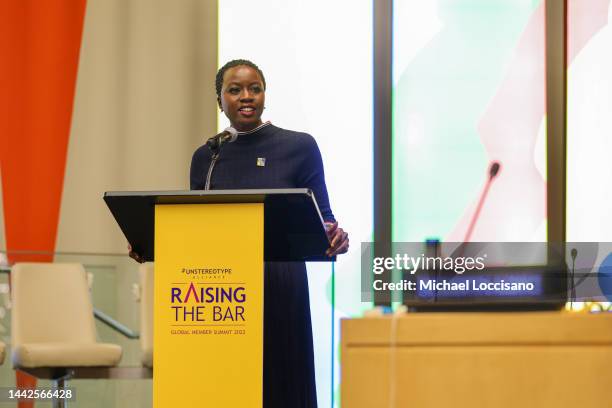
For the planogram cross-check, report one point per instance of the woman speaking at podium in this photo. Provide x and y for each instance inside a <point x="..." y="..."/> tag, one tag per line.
<point x="265" y="156"/>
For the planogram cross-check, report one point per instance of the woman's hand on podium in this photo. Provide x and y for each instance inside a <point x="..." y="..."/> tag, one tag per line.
<point x="134" y="255"/>
<point x="338" y="239"/>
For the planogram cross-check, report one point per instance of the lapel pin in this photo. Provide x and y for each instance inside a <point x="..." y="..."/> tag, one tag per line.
<point x="261" y="161"/>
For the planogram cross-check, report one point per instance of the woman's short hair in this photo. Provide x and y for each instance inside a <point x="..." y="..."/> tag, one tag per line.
<point x="232" y="64"/>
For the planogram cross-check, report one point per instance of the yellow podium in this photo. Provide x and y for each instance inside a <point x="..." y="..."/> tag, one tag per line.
<point x="209" y="248"/>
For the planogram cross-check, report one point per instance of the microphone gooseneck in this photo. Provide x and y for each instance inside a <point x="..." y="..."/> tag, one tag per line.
<point x="494" y="169"/>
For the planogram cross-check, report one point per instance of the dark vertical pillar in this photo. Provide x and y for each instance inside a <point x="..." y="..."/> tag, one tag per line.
<point x="556" y="108"/>
<point x="383" y="45"/>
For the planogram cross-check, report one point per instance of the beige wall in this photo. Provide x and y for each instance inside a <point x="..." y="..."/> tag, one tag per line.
<point x="144" y="101"/>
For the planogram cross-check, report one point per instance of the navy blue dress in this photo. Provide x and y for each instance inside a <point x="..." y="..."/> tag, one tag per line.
<point x="292" y="160"/>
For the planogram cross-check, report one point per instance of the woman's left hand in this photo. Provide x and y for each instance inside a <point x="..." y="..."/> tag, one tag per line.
<point x="338" y="239"/>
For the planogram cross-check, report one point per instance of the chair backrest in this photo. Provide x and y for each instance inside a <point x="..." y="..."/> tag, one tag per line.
<point x="51" y="303"/>
<point x="146" y="309"/>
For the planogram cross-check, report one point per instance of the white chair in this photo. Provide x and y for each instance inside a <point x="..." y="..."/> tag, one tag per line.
<point x="146" y="314"/>
<point x="53" y="330"/>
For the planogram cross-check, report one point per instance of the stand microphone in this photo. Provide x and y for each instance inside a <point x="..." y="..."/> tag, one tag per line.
<point x="227" y="136"/>
<point x="493" y="171"/>
<point x="214" y="144"/>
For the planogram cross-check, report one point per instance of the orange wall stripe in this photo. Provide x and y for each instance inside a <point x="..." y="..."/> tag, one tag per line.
<point x="39" y="53"/>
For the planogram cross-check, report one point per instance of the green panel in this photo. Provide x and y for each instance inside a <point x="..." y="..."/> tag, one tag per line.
<point x="439" y="98"/>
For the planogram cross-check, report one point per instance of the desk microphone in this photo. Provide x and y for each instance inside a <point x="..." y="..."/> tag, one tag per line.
<point x="574" y="254"/>
<point x="493" y="171"/>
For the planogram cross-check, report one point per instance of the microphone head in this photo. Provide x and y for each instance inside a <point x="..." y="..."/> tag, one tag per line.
<point x="574" y="253"/>
<point x="232" y="134"/>
<point x="213" y="144"/>
<point x="494" y="169"/>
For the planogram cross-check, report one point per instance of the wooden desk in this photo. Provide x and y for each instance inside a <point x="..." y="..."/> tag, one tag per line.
<point x="492" y="360"/>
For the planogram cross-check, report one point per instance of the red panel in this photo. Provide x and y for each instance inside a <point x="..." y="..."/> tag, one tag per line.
<point x="39" y="49"/>
<point x="584" y="20"/>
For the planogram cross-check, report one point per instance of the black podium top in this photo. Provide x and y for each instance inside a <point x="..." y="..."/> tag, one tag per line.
<point x="293" y="226"/>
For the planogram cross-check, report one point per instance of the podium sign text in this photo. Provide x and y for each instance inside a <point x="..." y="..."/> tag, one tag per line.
<point x="208" y="328"/>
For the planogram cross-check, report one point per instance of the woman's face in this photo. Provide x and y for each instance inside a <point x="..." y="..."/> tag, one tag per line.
<point x="242" y="97"/>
